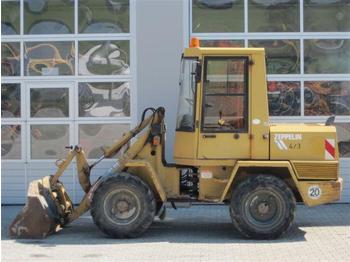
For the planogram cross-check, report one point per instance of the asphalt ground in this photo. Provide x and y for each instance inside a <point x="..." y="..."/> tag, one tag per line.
<point x="199" y="233"/>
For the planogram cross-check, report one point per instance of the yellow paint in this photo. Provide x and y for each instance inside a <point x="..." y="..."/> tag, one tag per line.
<point x="330" y="191"/>
<point x="310" y="147"/>
<point x="259" y="143"/>
<point x="205" y="162"/>
<point x="219" y="157"/>
<point x="223" y="146"/>
<point x="185" y="145"/>
<point x="146" y="171"/>
<point x="212" y="181"/>
<point x="249" y="145"/>
<point x="316" y="170"/>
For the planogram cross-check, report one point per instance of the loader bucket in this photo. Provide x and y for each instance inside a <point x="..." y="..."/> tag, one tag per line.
<point x="44" y="211"/>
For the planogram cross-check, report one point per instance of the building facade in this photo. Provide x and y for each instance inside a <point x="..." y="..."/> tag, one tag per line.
<point x="80" y="72"/>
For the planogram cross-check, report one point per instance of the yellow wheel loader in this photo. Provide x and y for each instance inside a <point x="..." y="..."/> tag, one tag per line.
<point x="226" y="151"/>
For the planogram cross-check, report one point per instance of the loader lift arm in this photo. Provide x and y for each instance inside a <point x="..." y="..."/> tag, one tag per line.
<point x="48" y="205"/>
<point x="259" y="169"/>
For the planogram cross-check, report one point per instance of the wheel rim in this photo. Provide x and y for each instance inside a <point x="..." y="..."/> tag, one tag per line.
<point x="264" y="209"/>
<point x="122" y="206"/>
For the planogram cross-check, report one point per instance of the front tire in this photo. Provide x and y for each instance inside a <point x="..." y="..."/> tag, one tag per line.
<point x="123" y="206"/>
<point x="262" y="207"/>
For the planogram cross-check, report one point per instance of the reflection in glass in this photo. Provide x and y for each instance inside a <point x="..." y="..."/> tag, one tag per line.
<point x="48" y="16"/>
<point x="217" y="16"/>
<point x="224" y="94"/>
<point x="225" y="77"/>
<point x="343" y="138"/>
<point x="104" y="57"/>
<point x="283" y="56"/>
<point x="109" y="16"/>
<point x="10" y="100"/>
<point x="10" y="17"/>
<point x="327" y="98"/>
<point x="284" y="98"/>
<point x="222" y="43"/>
<point x="187" y="84"/>
<point x="229" y="110"/>
<point x="327" y="56"/>
<point x="10" y="59"/>
<point x="48" y="59"/>
<point x="48" y="141"/>
<point x="40" y="27"/>
<point x="273" y="16"/>
<point x="49" y="102"/>
<point x="326" y="16"/>
<point x="10" y="141"/>
<point x="104" y="99"/>
<point x="93" y="136"/>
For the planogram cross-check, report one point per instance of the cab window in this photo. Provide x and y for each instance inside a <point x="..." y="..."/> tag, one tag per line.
<point x="186" y="104"/>
<point x="225" y="94"/>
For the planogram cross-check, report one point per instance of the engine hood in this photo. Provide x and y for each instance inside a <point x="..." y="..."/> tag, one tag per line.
<point x="303" y="142"/>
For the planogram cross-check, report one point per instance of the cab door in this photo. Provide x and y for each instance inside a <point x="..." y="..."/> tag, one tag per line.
<point x="224" y="130"/>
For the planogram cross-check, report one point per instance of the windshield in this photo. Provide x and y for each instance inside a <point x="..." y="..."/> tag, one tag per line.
<point x="185" y="111"/>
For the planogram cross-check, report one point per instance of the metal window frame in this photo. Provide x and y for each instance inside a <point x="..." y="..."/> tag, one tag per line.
<point x="301" y="77"/>
<point x="301" y="36"/>
<point x="28" y="157"/>
<point x="17" y="121"/>
<point x="245" y="95"/>
<point x="193" y="81"/>
<point x="48" y="85"/>
<point x="83" y="122"/>
<point x="23" y="137"/>
<point x="22" y="97"/>
<point x="102" y="118"/>
<point x="73" y="120"/>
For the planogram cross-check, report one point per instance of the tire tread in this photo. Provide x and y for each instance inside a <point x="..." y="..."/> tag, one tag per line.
<point x="247" y="186"/>
<point x="100" y="219"/>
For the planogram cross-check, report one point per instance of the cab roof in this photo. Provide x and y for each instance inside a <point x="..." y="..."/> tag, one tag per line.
<point x="222" y="51"/>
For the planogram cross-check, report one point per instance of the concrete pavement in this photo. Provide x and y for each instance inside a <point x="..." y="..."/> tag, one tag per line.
<point x="200" y="233"/>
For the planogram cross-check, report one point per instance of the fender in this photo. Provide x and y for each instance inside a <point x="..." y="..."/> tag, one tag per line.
<point x="330" y="187"/>
<point x="272" y="164"/>
<point x="141" y="168"/>
<point x="144" y="170"/>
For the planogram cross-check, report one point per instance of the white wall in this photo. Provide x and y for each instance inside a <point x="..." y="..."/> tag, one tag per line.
<point x="345" y="174"/>
<point x="159" y="37"/>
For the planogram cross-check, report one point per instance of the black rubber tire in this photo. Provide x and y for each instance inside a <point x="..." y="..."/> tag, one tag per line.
<point x="145" y="211"/>
<point x="242" y="205"/>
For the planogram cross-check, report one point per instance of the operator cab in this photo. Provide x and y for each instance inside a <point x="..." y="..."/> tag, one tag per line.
<point x="213" y="110"/>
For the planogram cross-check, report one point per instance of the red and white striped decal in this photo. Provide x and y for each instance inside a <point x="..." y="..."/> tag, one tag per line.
<point x="329" y="149"/>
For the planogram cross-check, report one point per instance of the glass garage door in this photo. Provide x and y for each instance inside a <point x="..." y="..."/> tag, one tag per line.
<point x="307" y="45"/>
<point x="68" y="76"/>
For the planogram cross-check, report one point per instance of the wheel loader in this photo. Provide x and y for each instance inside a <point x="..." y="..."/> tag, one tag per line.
<point x="226" y="151"/>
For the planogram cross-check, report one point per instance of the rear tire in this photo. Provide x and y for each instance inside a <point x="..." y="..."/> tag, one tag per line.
<point x="123" y="206"/>
<point x="262" y="207"/>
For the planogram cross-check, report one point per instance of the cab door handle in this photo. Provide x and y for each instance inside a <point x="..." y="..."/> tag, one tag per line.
<point x="209" y="136"/>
